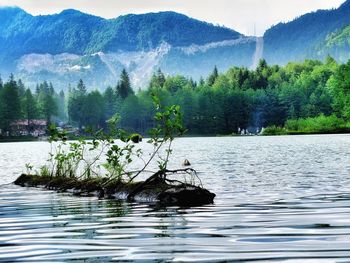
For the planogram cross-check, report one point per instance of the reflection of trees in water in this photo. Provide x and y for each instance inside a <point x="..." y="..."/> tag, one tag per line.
<point x="117" y="208"/>
<point x="169" y="218"/>
<point x="89" y="210"/>
<point x="84" y="211"/>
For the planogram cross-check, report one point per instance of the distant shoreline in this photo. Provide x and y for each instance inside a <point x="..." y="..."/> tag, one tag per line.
<point x="43" y="139"/>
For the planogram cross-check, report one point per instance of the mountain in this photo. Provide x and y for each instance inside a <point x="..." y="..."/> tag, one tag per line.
<point x="70" y="45"/>
<point x="64" y="47"/>
<point x="306" y="36"/>
<point x="337" y="44"/>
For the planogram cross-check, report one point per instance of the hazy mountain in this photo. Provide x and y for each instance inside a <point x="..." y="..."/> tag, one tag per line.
<point x="72" y="45"/>
<point x="65" y="47"/>
<point x="308" y="36"/>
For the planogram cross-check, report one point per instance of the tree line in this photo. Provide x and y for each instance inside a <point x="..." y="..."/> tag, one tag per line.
<point x="19" y="103"/>
<point x="223" y="103"/>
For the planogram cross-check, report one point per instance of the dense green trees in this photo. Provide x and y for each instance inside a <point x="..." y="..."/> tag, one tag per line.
<point x="19" y="103"/>
<point x="242" y="98"/>
<point x="339" y="85"/>
<point x="224" y="103"/>
<point x="29" y="106"/>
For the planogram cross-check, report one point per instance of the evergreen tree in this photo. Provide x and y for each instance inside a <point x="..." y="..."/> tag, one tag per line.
<point x="124" y="87"/>
<point x="21" y="88"/>
<point x="1" y="83"/>
<point x="213" y="76"/>
<point x="61" y="105"/>
<point x="160" y="77"/>
<point x="10" y="104"/>
<point x="81" y="87"/>
<point x="157" y="80"/>
<point x="93" y="110"/>
<point x="76" y="104"/>
<point x="110" y="101"/>
<point x="30" y="108"/>
<point x="49" y="107"/>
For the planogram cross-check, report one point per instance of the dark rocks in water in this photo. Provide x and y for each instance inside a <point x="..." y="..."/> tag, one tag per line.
<point x="186" y="196"/>
<point x="186" y="163"/>
<point x="31" y="180"/>
<point x="155" y="189"/>
<point x="22" y="180"/>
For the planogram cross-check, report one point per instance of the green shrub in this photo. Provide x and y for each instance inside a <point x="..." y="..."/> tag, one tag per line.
<point x="320" y="124"/>
<point x="274" y="130"/>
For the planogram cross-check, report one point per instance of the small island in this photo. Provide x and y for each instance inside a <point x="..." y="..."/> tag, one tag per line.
<point x="74" y="166"/>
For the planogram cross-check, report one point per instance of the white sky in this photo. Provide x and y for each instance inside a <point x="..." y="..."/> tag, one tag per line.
<point x="240" y="15"/>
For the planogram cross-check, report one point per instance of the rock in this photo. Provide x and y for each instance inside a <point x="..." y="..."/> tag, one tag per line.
<point x="186" y="196"/>
<point x="153" y="189"/>
<point x="186" y="163"/>
<point x="22" y="180"/>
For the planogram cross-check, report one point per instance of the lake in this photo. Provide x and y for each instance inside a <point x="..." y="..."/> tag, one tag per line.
<point x="278" y="198"/>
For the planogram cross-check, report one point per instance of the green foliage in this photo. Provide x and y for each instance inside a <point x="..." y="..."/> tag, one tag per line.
<point x="10" y="106"/>
<point x="110" y="102"/>
<point x="317" y="125"/>
<point x="76" y="103"/>
<point x="94" y="110"/>
<point x="237" y="100"/>
<point x="274" y="130"/>
<point x="339" y="38"/>
<point x="307" y="36"/>
<point x="124" y="87"/>
<point x="77" y="33"/>
<point x="339" y="86"/>
<point x="29" y="106"/>
<point x="213" y="76"/>
<point x="320" y="124"/>
<point x="44" y="171"/>
<point x="81" y="159"/>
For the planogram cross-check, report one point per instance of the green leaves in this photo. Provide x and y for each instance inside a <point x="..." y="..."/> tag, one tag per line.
<point x="135" y="138"/>
<point x="55" y="135"/>
<point x="68" y="157"/>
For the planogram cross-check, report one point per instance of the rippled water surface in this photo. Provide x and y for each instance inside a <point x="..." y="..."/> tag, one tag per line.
<point x="278" y="198"/>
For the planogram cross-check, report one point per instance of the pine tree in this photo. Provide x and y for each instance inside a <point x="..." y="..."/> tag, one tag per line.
<point x="124" y="87"/>
<point x="213" y="76"/>
<point x="76" y="103"/>
<point x="10" y="104"/>
<point x="110" y="101"/>
<point x="160" y="77"/>
<point x="81" y="87"/>
<point x="61" y="103"/>
<point x="21" y="88"/>
<point x="30" y="108"/>
<point x="1" y="84"/>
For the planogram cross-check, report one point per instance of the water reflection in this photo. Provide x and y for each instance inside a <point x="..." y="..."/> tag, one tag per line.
<point x="288" y="201"/>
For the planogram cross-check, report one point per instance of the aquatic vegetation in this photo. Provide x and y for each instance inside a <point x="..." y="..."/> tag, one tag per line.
<point x="80" y="164"/>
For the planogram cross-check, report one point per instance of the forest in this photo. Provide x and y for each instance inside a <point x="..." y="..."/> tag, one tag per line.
<point x="300" y="97"/>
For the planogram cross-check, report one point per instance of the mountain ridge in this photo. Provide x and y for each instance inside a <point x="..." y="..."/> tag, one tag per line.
<point x="34" y="47"/>
<point x="69" y="45"/>
<point x="301" y="36"/>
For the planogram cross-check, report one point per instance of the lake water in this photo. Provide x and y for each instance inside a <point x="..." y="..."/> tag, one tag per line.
<point x="278" y="198"/>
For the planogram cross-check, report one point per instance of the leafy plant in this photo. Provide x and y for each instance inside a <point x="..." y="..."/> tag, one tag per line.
<point x="29" y="168"/>
<point x="82" y="159"/>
